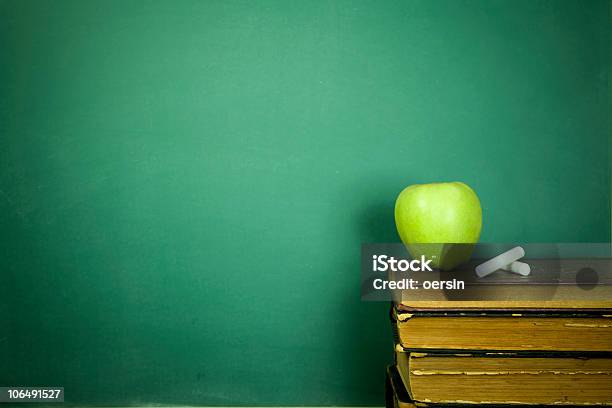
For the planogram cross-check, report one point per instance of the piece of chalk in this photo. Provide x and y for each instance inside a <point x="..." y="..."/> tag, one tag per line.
<point x="500" y="261"/>
<point x="521" y="268"/>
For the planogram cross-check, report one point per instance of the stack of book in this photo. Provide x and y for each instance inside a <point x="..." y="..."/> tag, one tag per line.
<point x="501" y="353"/>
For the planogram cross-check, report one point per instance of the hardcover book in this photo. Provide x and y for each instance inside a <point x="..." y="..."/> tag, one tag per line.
<point x="494" y="378"/>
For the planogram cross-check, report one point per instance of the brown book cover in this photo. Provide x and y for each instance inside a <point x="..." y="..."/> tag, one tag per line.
<point x="584" y="305"/>
<point x="494" y="378"/>
<point x="536" y="330"/>
<point x="564" y="284"/>
<point x="396" y="395"/>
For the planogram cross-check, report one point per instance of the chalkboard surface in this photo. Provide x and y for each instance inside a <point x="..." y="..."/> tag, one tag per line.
<point x="185" y="185"/>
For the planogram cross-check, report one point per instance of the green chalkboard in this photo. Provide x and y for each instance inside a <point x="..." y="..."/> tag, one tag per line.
<point x="185" y="185"/>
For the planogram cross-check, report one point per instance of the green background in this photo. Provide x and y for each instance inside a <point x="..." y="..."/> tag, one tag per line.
<point x="185" y="185"/>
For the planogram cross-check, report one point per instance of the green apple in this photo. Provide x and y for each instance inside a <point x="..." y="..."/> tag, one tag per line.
<point x="442" y="214"/>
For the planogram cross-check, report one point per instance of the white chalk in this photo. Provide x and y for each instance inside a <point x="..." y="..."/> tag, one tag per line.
<point x="521" y="268"/>
<point x="500" y="261"/>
